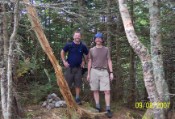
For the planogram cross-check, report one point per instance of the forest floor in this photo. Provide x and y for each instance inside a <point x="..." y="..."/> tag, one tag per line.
<point x="38" y="112"/>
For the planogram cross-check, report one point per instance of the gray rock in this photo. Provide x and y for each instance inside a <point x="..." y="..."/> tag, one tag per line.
<point x="53" y="101"/>
<point x="56" y="99"/>
<point x="53" y="95"/>
<point x="50" y="100"/>
<point x="49" y="96"/>
<point x="52" y="105"/>
<point x="62" y="103"/>
<point x="57" y="104"/>
<point x="44" y="104"/>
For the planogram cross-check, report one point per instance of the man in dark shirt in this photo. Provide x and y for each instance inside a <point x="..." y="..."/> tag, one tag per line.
<point x="73" y="74"/>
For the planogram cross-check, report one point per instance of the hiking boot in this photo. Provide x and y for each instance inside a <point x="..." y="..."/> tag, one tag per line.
<point x="98" y="109"/>
<point x="109" y="113"/>
<point x="78" y="101"/>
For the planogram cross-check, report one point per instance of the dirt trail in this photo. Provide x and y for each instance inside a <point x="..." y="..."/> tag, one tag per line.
<point x="37" y="112"/>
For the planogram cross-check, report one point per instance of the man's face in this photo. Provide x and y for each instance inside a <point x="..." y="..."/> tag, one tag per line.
<point x="98" y="41"/>
<point x="77" y="37"/>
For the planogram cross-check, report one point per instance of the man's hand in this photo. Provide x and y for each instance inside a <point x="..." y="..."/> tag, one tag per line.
<point x="88" y="77"/>
<point x="111" y="76"/>
<point x="66" y="64"/>
<point x="83" y="64"/>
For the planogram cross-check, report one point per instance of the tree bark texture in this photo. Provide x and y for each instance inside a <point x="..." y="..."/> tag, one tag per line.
<point x="5" y="34"/>
<point x="108" y="25"/>
<point x="131" y="98"/>
<point x="2" y="69"/>
<point x="5" y="49"/>
<point x="118" y="83"/>
<point x="144" y="56"/>
<point x="132" y="66"/>
<point x="156" y="51"/>
<point x="1" y="38"/>
<point x="10" y="61"/>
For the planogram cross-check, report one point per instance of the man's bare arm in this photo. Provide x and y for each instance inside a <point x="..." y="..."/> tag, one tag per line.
<point x="66" y="64"/>
<point x="111" y="76"/>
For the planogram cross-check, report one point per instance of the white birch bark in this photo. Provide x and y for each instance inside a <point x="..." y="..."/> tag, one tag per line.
<point x="156" y="51"/>
<point x="145" y="58"/>
<point x="2" y="70"/>
<point x="5" y="36"/>
<point x="10" y="61"/>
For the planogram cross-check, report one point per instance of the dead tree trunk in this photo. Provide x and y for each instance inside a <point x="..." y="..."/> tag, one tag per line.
<point x="33" y="17"/>
<point x="64" y="89"/>
<point x="145" y="58"/>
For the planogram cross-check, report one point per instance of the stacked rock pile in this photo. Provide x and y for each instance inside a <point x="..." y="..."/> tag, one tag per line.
<point x="53" y="101"/>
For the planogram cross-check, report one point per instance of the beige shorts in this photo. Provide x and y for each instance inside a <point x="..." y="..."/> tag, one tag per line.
<point x="99" y="80"/>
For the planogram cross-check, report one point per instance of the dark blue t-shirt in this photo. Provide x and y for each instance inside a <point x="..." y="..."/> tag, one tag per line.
<point x="75" y="53"/>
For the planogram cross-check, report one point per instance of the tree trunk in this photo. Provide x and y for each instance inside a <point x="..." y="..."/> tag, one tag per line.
<point x="10" y="61"/>
<point x="109" y="25"/>
<point x="144" y="56"/>
<point x="131" y="99"/>
<point x="1" y="39"/>
<point x="82" y="10"/>
<point x="2" y="69"/>
<point x="5" y="34"/>
<point x="156" y="51"/>
<point x="118" y="83"/>
<point x="6" y="46"/>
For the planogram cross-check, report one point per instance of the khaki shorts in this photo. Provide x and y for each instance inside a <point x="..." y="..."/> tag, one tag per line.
<point x="99" y="80"/>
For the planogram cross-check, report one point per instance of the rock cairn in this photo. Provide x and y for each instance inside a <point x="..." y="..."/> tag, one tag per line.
<point x="53" y="101"/>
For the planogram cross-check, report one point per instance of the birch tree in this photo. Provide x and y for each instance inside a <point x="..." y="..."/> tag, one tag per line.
<point x="6" y="83"/>
<point x="156" y="51"/>
<point x="145" y="58"/>
<point x="10" y="61"/>
<point x="2" y="68"/>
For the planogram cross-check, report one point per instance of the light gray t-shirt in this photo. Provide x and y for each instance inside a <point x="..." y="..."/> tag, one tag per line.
<point x="99" y="57"/>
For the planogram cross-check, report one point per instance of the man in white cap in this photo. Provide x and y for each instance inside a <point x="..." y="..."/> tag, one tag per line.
<point x="100" y="72"/>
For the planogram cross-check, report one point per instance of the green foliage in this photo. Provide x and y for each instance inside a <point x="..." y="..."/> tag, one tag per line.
<point x="39" y="92"/>
<point x="59" y="24"/>
<point x="25" y="66"/>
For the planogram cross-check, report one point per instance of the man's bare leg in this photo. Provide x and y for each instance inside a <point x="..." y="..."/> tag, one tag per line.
<point x="107" y="99"/>
<point x="97" y="100"/>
